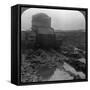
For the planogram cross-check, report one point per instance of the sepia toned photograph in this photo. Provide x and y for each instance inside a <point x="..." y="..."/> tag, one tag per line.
<point x="53" y="45"/>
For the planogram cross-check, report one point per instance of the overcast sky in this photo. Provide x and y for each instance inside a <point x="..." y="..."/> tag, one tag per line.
<point x="60" y="19"/>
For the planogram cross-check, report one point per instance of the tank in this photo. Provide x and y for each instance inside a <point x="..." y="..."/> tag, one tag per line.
<point x="41" y="25"/>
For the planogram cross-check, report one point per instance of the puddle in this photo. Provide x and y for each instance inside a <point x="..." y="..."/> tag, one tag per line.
<point x="60" y="75"/>
<point x="52" y="74"/>
<point x="46" y="72"/>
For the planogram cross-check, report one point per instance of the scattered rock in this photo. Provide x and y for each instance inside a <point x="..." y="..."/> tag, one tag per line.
<point x="50" y="65"/>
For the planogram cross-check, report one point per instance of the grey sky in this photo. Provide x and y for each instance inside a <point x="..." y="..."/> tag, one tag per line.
<point x="60" y="19"/>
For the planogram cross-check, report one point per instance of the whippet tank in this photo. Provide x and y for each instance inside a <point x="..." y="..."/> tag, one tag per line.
<point x="41" y="25"/>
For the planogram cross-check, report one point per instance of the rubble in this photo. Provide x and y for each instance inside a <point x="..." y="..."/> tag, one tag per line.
<point x="49" y="65"/>
<point x="83" y="60"/>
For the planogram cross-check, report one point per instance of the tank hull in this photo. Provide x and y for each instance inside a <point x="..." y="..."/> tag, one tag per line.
<point x="46" y="40"/>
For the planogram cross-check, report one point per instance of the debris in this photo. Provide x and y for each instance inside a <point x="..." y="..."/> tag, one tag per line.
<point x="50" y="65"/>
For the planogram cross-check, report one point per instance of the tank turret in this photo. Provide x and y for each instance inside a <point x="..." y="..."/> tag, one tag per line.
<point x="41" y="20"/>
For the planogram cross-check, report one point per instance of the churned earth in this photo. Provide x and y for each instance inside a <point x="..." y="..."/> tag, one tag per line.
<point x="52" y="65"/>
